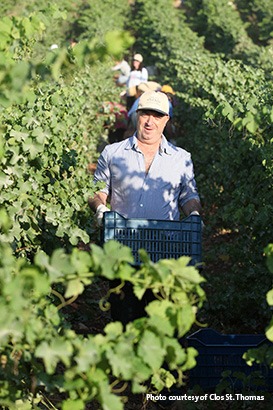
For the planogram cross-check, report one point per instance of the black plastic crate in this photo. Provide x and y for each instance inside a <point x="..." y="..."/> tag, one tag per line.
<point x="161" y="239"/>
<point x="218" y="353"/>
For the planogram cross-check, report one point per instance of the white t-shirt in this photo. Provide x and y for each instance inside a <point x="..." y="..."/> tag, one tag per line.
<point x="136" y="77"/>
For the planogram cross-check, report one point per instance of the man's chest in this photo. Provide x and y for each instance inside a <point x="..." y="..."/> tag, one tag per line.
<point x="140" y="169"/>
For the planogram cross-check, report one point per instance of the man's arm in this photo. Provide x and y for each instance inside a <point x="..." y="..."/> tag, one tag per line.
<point x="98" y="205"/>
<point x="193" y="205"/>
<point x="98" y="199"/>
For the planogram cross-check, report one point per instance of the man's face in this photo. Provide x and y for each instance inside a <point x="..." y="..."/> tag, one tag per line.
<point x="150" y="125"/>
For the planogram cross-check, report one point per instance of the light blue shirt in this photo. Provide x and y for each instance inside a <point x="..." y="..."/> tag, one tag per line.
<point x="154" y="195"/>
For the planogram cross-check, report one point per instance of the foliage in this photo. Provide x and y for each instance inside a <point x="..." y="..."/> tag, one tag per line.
<point x="242" y="184"/>
<point x="269" y="260"/>
<point x="218" y="58"/>
<point x="258" y="14"/>
<point x="41" y="357"/>
<point x="57" y="17"/>
<point x="94" y="19"/>
<point x="49" y="138"/>
<point x="219" y="22"/>
<point x="264" y="354"/>
<point x="156" y="35"/>
<point x="226" y="27"/>
<point x="48" y="145"/>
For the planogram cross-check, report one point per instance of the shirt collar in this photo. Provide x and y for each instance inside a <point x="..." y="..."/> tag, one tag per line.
<point x="163" y="148"/>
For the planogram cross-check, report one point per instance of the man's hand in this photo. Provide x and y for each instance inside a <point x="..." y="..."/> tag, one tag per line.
<point x="99" y="213"/>
<point x="193" y="205"/>
<point x="194" y="213"/>
<point x="197" y="213"/>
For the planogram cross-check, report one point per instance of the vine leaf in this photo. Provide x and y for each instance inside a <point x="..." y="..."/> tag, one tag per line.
<point x="151" y="350"/>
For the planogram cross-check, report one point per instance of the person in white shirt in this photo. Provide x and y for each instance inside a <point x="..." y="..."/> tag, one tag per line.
<point x="124" y="67"/>
<point x="138" y="74"/>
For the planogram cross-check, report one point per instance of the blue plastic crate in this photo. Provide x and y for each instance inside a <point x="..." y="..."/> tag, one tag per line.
<point x="161" y="239"/>
<point x="218" y="353"/>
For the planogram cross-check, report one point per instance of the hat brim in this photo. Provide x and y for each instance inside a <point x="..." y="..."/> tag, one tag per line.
<point x="152" y="109"/>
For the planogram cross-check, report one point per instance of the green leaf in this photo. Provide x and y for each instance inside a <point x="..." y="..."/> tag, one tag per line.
<point x="74" y="287"/>
<point x="163" y="378"/>
<point x="88" y="355"/>
<point x="271" y="115"/>
<point x="5" y="222"/>
<point x="19" y="74"/>
<point x="111" y="402"/>
<point x="41" y="259"/>
<point x="77" y="235"/>
<point x="161" y="326"/>
<point x="117" y="42"/>
<point x="228" y="111"/>
<point x="29" y="28"/>
<point x="121" y="358"/>
<point x="60" y="266"/>
<point x="81" y="261"/>
<point x="142" y="372"/>
<point x="108" y="400"/>
<point x="269" y="297"/>
<point x="164" y="309"/>
<point x="252" y="126"/>
<point x="22" y="405"/>
<point x="113" y="330"/>
<point x="110" y="257"/>
<point x="151" y="350"/>
<point x="58" y="350"/>
<point x="76" y="404"/>
<point x="19" y="136"/>
<point x="176" y="355"/>
<point x="185" y="319"/>
<point x="6" y="25"/>
<point x="190" y="359"/>
<point x="269" y="255"/>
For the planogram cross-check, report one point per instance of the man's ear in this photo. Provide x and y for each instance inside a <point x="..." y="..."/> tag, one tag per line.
<point x="167" y="119"/>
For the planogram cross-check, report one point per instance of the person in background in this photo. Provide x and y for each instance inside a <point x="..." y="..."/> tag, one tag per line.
<point x="168" y="90"/>
<point x="124" y="68"/>
<point x="138" y="74"/>
<point x="169" y="130"/>
<point x="117" y="130"/>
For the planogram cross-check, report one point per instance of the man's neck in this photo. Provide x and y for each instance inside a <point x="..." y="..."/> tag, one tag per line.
<point x="148" y="146"/>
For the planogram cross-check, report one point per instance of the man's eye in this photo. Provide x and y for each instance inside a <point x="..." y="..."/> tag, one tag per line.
<point x="152" y="113"/>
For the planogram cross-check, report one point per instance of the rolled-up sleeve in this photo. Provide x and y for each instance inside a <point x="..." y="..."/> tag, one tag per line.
<point x="188" y="186"/>
<point x="102" y="173"/>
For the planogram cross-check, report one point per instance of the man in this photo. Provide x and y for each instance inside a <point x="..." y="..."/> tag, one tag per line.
<point x="146" y="176"/>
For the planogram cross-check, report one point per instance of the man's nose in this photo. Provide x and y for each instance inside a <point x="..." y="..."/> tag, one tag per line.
<point x="149" y="118"/>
